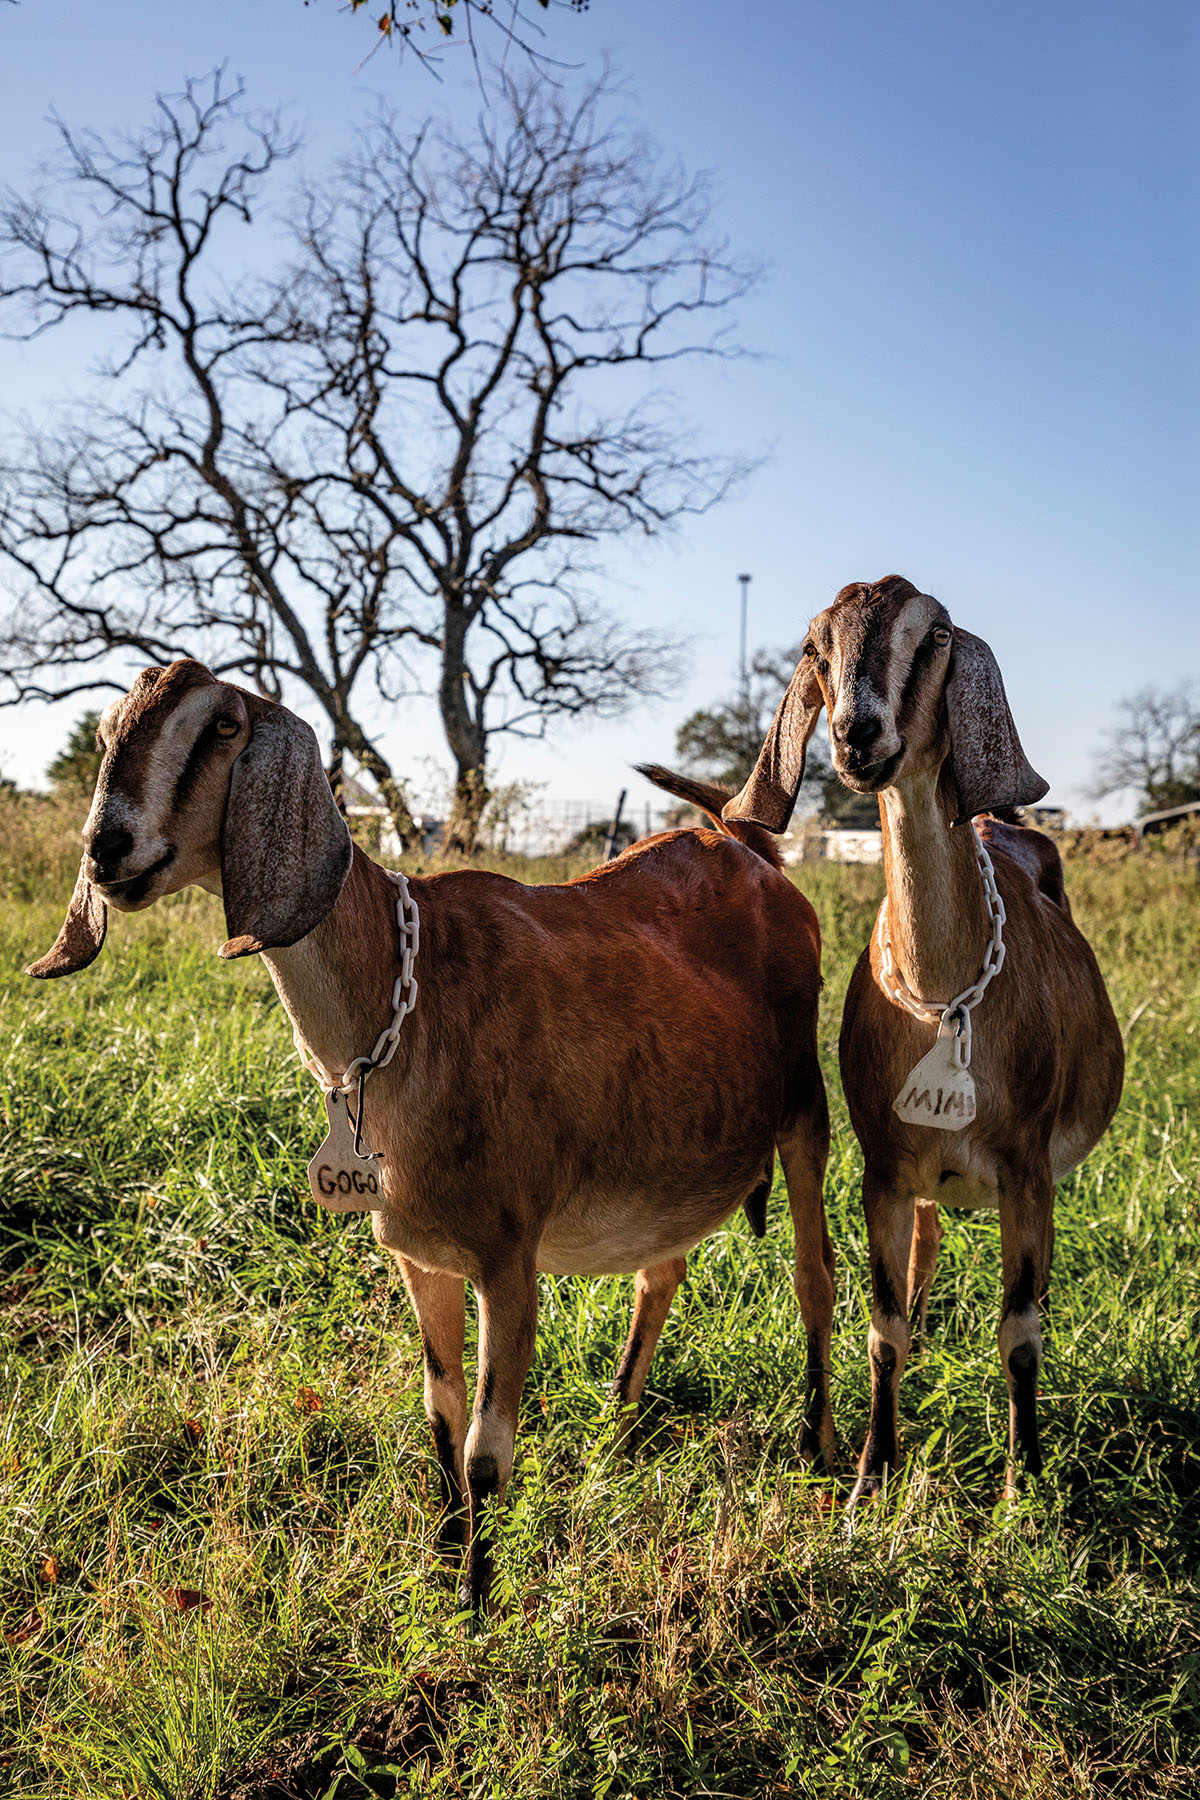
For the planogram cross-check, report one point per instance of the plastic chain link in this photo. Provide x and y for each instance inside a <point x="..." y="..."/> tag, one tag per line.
<point x="404" y="998"/>
<point x="954" y="1014"/>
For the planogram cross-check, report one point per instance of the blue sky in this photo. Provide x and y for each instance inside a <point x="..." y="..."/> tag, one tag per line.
<point x="979" y="325"/>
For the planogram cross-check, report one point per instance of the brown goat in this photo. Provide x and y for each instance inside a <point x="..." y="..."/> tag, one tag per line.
<point x="594" y="1077"/>
<point x="918" y="715"/>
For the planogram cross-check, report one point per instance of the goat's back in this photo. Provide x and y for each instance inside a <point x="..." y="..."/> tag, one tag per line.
<point x="685" y="911"/>
<point x="1032" y="850"/>
<point x="622" y="1051"/>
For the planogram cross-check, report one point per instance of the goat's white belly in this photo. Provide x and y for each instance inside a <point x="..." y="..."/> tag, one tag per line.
<point x="621" y="1234"/>
<point x="1068" y="1149"/>
<point x="960" y="1190"/>
<point x="977" y="1187"/>
<point x="613" y="1236"/>
<point x="950" y="1169"/>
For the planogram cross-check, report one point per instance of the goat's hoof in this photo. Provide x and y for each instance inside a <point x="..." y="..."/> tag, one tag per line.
<point x="625" y="1444"/>
<point x="1016" y="1483"/>
<point x="626" y="1410"/>
<point x="452" y="1536"/>
<point x="818" y="1454"/>
<point x="866" y="1489"/>
<point x="475" y="1592"/>
<point x="1018" y="1475"/>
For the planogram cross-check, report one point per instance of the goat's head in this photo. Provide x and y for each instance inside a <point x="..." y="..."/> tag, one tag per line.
<point x="906" y="692"/>
<point x="203" y="782"/>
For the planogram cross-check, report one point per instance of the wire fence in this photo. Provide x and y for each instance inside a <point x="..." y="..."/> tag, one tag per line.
<point x="546" y="827"/>
<point x="530" y="825"/>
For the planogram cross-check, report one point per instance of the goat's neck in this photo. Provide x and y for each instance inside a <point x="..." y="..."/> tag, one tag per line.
<point x="937" y="915"/>
<point x="336" y="983"/>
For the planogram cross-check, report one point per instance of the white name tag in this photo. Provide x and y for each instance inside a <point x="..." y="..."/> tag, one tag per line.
<point x="938" y="1093"/>
<point x="340" y="1180"/>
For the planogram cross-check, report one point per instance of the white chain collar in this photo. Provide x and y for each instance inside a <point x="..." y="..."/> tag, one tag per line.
<point x="404" y="998"/>
<point x="950" y="1015"/>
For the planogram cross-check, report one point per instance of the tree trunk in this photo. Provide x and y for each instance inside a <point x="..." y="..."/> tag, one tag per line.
<point x="336" y="772"/>
<point x="368" y="758"/>
<point x="471" y="795"/>
<point x="465" y="736"/>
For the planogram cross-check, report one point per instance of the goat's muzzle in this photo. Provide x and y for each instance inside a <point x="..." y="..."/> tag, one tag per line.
<point x="132" y="891"/>
<point x="862" y="774"/>
<point x="121" y="858"/>
<point x="106" y="851"/>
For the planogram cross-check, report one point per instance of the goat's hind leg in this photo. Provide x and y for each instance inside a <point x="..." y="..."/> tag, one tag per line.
<point x="1026" y="1242"/>
<point x="439" y="1302"/>
<point x="804" y="1151"/>
<point x="653" y="1291"/>
<point x="922" y="1261"/>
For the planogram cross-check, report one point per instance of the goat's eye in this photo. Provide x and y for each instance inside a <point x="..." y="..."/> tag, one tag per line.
<point x="941" y="635"/>
<point x="227" y="727"/>
<point x="809" y="651"/>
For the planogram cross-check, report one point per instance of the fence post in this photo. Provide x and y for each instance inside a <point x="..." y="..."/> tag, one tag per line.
<point x="610" y="848"/>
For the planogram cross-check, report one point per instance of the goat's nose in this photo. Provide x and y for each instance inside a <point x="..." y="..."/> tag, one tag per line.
<point x="860" y="734"/>
<point x="108" y="847"/>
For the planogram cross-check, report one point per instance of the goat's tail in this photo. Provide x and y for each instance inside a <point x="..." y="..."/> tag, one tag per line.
<point x="710" y="798"/>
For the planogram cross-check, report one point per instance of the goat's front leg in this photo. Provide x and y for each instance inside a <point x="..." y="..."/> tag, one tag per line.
<point x="889" y="1219"/>
<point x="653" y="1291"/>
<point x="439" y="1302"/>
<point x="803" y="1152"/>
<point x="1026" y="1242"/>
<point x="507" y="1329"/>
<point x="1047" y="1256"/>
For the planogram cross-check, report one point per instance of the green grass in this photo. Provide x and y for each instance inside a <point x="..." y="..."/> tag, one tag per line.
<point x="216" y="1494"/>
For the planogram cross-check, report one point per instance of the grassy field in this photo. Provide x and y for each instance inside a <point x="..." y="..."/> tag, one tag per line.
<point x="217" y="1565"/>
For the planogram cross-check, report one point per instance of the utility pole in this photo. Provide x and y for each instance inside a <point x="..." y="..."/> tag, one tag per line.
<point x="743" y="677"/>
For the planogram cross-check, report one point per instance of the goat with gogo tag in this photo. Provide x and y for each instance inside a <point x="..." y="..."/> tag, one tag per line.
<point x="594" y="1077"/>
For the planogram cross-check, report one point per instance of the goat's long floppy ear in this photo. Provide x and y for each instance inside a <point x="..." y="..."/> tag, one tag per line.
<point x="82" y="934"/>
<point x="285" y="851"/>
<point x="770" y="794"/>
<point x="986" y="761"/>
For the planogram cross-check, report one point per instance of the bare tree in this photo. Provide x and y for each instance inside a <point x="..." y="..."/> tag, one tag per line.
<point x="403" y="446"/>
<point x="1154" y="748"/>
